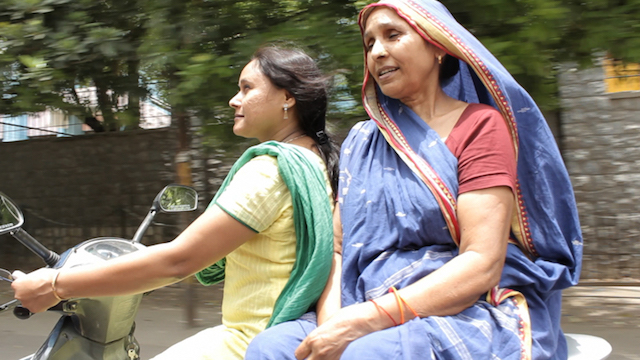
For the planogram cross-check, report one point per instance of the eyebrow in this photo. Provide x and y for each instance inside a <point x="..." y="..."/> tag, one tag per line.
<point x="385" y="25"/>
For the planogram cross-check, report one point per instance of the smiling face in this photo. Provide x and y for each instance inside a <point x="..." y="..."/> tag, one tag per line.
<point x="258" y="105"/>
<point x="398" y="58"/>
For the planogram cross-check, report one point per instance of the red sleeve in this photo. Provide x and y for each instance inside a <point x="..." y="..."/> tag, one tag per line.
<point x="482" y="143"/>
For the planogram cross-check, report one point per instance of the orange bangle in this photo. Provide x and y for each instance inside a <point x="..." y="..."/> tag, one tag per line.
<point x="409" y="306"/>
<point x="398" y="296"/>
<point x="384" y="311"/>
<point x="399" y="302"/>
<point x="53" y="286"/>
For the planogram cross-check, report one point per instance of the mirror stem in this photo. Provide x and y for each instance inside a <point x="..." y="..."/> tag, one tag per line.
<point x="145" y="224"/>
<point x="49" y="257"/>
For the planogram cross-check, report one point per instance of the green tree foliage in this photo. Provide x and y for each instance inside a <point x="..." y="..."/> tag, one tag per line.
<point x="196" y="50"/>
<point x="611" y="26"/>
<point x="531" y="37"/>
<point x="50" y="48"/>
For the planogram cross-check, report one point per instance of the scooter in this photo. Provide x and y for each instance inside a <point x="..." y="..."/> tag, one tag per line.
<point x="90" y="328"/>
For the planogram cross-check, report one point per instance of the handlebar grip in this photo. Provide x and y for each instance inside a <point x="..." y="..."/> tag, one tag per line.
<point x="22" y="313"/>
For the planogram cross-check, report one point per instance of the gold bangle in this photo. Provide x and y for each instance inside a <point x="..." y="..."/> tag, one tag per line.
<point x="53" y="286"/>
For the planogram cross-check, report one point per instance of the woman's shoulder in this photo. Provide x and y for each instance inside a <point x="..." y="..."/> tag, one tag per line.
<point x="477" y="116"/>
<point x="479" y="123"/>
<point x="308" y="153"/>
<point x="263" y="160"/>
<point x="363" y="126"/>
<point x="476" y="110"/>
<point x="265" y="165"/>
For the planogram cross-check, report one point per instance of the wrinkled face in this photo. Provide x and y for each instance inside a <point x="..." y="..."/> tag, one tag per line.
<point x="398" y="58"/>
<point x="258" y="105"/>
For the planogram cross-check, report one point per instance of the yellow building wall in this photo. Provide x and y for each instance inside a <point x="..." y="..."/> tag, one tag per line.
<point x="621" y="77"/>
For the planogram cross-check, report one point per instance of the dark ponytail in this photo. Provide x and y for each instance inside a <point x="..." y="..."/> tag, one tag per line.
<point x="295" y="71"/>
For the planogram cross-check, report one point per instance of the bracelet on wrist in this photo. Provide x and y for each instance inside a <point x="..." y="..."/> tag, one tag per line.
<point x="53" y="286"/>
<point x="384" y="311"/>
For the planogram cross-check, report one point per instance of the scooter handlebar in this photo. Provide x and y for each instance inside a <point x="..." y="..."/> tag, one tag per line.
<point x="49" y="257"/>
<point x="22" y="312"/>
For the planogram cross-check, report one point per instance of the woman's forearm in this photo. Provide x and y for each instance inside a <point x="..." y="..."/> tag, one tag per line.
<point x="447" y="291"/>
<point x="137" y="272"/>
<point x="208" y="239"/>
<point x="329" y="302"/>
<point x="452" y="288"/>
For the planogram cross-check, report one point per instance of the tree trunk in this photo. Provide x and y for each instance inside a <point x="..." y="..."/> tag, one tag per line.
<point x="133" y="107"/>
<point x="105" y="105"/>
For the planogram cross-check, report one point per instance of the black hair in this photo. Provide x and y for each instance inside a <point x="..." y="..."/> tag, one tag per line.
<point x="449" y="68"/>
<point x="295" y="71"/>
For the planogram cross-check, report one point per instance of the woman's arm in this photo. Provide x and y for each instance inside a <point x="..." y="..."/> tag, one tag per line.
<point x="208" y="239"/>
<point x="484" y="217"/>
<point x="330" y="301"/>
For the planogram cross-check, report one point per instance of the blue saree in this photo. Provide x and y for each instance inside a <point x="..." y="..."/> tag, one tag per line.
<point x="397" y="196"/>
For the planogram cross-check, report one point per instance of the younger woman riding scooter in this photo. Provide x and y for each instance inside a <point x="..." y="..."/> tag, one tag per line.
<point x="267" y="232"/>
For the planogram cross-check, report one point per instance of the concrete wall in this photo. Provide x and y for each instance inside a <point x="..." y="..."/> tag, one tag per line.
<point x="76" y="188"/>
<point x="73" y="189"/>
<point x="601" y="147"/>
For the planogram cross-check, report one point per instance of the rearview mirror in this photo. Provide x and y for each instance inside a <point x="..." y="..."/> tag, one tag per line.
<point x="177" y="198"/>
<point x="11" y="217"/>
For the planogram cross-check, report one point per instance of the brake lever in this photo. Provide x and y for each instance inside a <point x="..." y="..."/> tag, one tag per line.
<point x="6" y="276"/>
<point x="19" y="311"/>
<point x="6" y="306"/>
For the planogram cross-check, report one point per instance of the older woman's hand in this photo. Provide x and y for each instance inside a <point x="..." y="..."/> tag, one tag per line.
<point x="34" y="290"/>
<point x="330" y="339"/>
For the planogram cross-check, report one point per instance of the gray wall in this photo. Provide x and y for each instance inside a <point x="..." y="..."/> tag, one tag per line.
<point x="601" y="147"/>
<point x="73" y="189"/>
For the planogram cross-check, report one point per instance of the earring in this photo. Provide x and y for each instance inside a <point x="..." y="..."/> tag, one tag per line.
<point x="440" y="59"/>
<point x="286" y="108"/>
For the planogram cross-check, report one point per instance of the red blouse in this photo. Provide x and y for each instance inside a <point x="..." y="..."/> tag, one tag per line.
<point x="481" y="141"/>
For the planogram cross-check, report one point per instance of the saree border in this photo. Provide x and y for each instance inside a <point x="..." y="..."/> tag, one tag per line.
<point x="497" y="295"/>
<point x="421" y="167"/>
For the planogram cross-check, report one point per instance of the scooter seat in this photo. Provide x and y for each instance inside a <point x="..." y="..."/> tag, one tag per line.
<point x="587" y="347"/>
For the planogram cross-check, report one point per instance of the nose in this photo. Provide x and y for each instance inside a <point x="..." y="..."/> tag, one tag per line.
<point x="378" y="50"/>
<point x="236" y="101"/>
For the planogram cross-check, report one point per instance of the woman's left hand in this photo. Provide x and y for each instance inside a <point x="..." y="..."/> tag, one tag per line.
<point x="34" y="290"/>
<point x="330" y="339"/>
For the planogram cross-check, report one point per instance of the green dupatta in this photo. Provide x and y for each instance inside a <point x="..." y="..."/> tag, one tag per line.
<point x="313" y="224"/>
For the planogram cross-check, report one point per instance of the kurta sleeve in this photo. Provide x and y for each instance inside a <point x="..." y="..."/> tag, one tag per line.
<point x="257" y="195"/>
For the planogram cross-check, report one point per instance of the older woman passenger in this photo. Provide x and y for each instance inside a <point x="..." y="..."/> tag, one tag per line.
<point x="457" y="228"/>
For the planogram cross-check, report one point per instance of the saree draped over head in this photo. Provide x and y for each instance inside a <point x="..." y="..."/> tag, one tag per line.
<point x="398" y="191"/>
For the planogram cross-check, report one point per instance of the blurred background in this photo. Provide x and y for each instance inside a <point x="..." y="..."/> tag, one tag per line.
<point x="105" y="102"/>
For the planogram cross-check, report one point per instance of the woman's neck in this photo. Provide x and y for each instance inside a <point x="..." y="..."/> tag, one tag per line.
<point x="440" y="111"/>
<point x="429" y="103"/>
